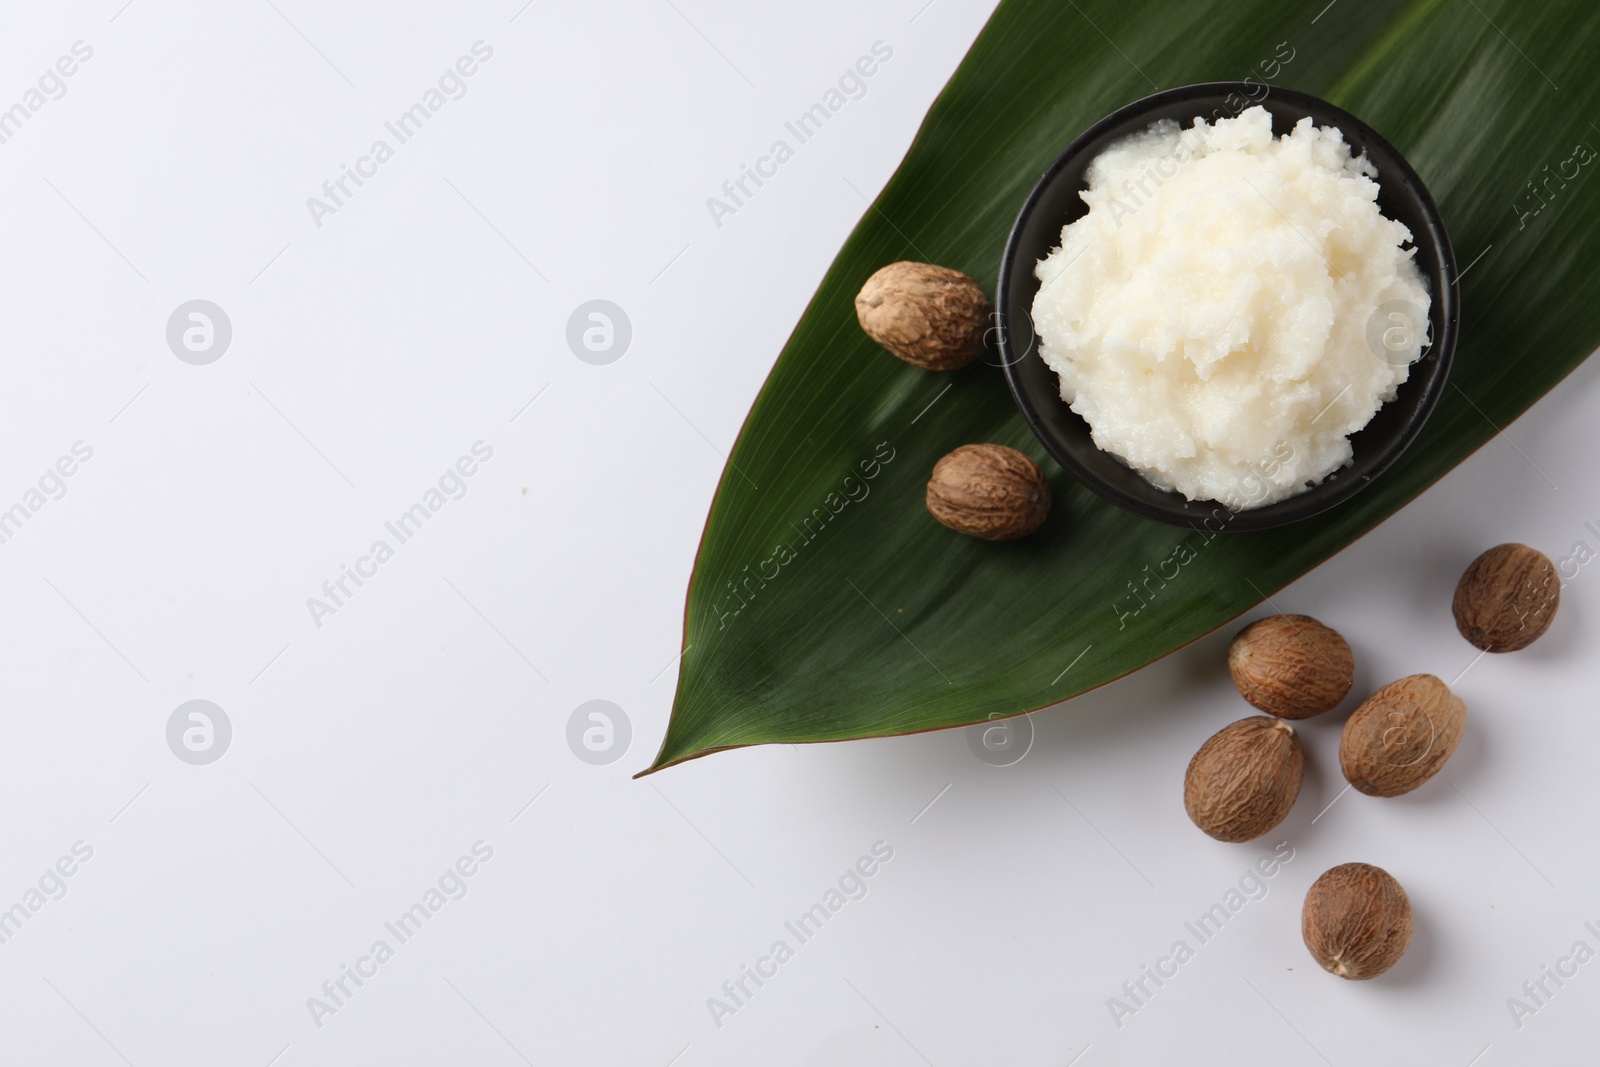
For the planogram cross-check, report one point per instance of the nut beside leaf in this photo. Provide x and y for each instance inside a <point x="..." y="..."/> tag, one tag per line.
<point x="1401" y="735"/>
<point x="1244" y="780"/>
<point x="989" y="491"/>
<point x="1291" y="666"/>
<point x="1356" y="921"/>
<point x="1507" y="598"/>
<point x="932" y="317"/>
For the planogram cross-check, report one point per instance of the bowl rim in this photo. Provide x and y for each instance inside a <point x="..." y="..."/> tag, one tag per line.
<point x="1395" y="174"/>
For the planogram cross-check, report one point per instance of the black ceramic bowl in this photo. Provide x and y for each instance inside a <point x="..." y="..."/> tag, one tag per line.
<point x="1054" y="202"/>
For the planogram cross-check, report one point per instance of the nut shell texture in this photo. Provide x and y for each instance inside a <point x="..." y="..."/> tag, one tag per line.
<point x="1356" y="921"/>
<point x="1401" y="735"/>
<point x="1291" y="666"/>
<point x="932" y="317"/>
<point x="989" y="491"/>
<point x="1507" y="598"/>
<point x="1244" y="780"/>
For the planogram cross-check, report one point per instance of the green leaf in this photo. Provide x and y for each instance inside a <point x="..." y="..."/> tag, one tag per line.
<point x="884" y="622"/>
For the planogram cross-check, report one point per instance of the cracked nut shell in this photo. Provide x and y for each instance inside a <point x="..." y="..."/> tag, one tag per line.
<point x="1401" y="735"/>
<point x="1244" y="780"/>
<point x="1507" y="598"/>
<point x="932" y="317"/>
<point x="1356" y="921"/>
<point x="989" y="491"/>
<point x="1291" y="666"/>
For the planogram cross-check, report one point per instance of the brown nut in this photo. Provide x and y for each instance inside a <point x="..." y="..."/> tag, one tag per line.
<point x="1507" y="598"/>
<point x="1291" y="666"/>
<point x="932" y="317"/>
<point x="1244" y="780"/>
<point x="1356" y="921"/>
<point x="1401" y="735"/>
<point x="989" y="491"/>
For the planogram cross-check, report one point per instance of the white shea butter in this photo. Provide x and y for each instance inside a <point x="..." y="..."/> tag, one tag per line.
<point x="1209" y="316"/>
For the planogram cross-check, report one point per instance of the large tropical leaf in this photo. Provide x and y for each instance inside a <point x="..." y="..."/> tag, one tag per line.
<point x="813" y="616"/>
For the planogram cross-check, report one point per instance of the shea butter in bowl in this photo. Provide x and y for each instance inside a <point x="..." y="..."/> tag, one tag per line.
<point x="1227" y="306"/>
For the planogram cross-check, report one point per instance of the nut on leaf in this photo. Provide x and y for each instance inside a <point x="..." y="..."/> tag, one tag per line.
<point x="989" y="491"/>
<point x="1401" y="735"/>
<point x="1291" y="666"/>
<point x="1507" y="598"/>
<point x="1356" y="921"/>
<point x="932" y="317"/>
<point x="1244" y="780"/>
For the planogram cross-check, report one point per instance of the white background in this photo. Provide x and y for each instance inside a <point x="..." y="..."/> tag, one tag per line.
<point x="371" y="752"/>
